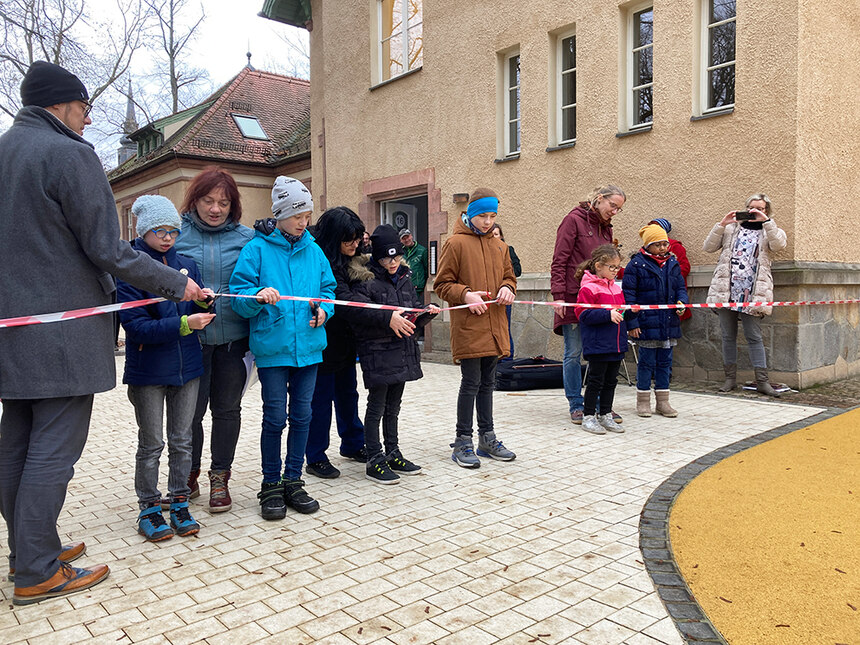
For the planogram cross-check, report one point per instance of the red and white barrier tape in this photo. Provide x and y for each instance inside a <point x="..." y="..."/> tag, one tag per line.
<point x="104" y="309"/>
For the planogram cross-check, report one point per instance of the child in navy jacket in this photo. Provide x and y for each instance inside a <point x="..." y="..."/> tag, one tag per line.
<point x="653" y="277"/>
<point x="163" y="363"/>
<point x="604" y="336"/>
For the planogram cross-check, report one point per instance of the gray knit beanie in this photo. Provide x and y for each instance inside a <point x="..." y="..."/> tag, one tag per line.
<point x="290" y="197"/>
<point x="154" y="211"/>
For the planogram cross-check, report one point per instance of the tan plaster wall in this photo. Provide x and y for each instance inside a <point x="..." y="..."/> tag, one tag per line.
<point x="444" y="117"/>
<point x="828" y="107"/>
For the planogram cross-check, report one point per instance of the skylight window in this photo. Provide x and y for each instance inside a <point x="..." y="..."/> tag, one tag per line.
<point x="250" y="127"/>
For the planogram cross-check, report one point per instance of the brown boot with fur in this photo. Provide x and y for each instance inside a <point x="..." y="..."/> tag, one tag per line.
<point x="663" y="406"/>
<point x="643" y="403"/>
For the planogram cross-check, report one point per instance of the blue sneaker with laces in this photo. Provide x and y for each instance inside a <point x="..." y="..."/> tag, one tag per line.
<point x="151" y="524"/>
<point x="180" y="518"/>
<point x="464" y="452"/>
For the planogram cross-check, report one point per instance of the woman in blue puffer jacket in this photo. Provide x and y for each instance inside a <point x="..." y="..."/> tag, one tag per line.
<point x="213" y="237"/>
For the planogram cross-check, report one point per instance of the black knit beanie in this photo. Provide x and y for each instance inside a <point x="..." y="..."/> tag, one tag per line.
<point x="385" y="242"/>
<point x="46" y="84"/>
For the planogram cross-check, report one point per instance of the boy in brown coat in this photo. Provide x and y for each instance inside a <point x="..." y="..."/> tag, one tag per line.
<point x="472" y="261"/>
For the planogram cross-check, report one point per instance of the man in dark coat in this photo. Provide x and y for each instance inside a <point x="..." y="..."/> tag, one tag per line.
<point x="59" y="248"/>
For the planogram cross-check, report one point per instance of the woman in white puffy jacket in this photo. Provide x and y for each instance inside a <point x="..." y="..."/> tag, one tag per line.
<point x="743" y="275"/>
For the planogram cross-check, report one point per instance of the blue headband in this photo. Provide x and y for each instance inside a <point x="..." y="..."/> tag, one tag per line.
<point x="483" y="205"/>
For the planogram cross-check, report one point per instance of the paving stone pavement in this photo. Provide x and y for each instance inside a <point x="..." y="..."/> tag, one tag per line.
<point x="543" y="549"/>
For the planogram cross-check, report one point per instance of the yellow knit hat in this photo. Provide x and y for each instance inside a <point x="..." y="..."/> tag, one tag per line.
<point x="652" y="233"/>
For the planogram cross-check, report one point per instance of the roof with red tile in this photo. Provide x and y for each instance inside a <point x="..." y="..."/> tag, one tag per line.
<point x="281" y="104"/>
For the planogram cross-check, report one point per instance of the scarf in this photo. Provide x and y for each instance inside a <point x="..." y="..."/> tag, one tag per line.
<point x="659" y="259"/>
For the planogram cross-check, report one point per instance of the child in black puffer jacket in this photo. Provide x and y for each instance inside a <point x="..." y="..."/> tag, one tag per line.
<point x="388" y="349"/>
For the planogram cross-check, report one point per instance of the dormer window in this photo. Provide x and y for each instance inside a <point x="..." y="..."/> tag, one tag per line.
<point x="250" y="127"/>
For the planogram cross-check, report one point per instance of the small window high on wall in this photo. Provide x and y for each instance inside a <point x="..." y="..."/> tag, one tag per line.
<point x="718" y="59"/>
<point x="640" y="68"/>
<point x="399" y="36"/>
<point x="563" y="130"/>
<point x="510" y="100"/>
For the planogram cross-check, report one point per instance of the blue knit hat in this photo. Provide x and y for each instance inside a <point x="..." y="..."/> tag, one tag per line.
<point x="154" y="211"/>
<point x="667" y="226"/>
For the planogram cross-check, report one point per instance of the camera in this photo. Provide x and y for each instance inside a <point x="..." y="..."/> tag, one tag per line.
<point x="744" y="216"/>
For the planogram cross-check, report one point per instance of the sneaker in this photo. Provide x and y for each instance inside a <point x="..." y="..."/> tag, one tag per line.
<point x="296" y="497"/>
<point x="323" y="470"/>
<point x="399" y="464"/>
<point x="219" y="493"/>
<point x="151" y="525"/>
<point x="617" y="417"/>
<point x="180" y="518"/>
<point x="609" y="423"/>
<point x="592" y="425"/>
<point x="69" y="553"/>
<point x="67" y="580"/>
<point x="379" y="470"/>
<point x="360" y="456"/>
<point x="464" y="452"/>
<point x="576" y="417"/>
<point x="489" y="446"/>
<point x="272" y="505"/>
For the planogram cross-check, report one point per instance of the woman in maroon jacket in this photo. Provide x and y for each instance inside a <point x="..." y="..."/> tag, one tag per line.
<point x="583" y="229"/>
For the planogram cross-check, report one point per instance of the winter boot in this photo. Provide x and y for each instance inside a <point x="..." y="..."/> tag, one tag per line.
<point x="490" y="446"/>
<point x="219" y="494"/>
<point x="297" y="498"/>
<point x="731" y="378"/>
<point x="464" y="452"/>
<point x="663" y="406"/>
<point x="762" y="383"/>
<point x="151" y="524"/>
<point x="180" y="518"/>
<point x="643" y="403"/>
<point x="272" y="505"/>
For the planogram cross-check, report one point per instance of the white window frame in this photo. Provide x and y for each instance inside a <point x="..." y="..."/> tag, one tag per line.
<point x="630" y="64"/>
<point x="507" y="118"/>
<point x="378" y="37"/>
<point x="704" y="59"/>
<point x="557" y="108"/>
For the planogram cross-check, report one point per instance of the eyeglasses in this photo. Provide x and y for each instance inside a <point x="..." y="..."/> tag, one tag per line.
<point x="88" y="107"/>
<point x="390" y="259"/>
<point x="613" y="207"/>
<point x="162" y="233"/>
<point x="612" y="267"/>
<point x="354" y="242"/>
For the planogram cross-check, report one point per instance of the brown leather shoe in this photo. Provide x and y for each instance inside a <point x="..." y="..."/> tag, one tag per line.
<point x="219" y="493"/>
<point x="67" y="580"/>
<point x="70" y="553"/>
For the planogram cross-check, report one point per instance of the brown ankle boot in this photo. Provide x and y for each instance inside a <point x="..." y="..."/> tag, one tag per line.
<point x="731" y="378"/>
<point x="663" y="406"/>
<point x="643" y="403"/>
<point x="219" y="493"/>
<point x="762" y="382"/>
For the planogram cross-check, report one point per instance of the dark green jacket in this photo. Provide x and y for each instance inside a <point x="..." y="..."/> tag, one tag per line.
<point x="416" y="257"/>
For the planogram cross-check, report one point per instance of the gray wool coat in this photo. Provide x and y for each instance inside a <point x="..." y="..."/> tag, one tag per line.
<point x="723" y="239"/>
<point x="59" y="248"/>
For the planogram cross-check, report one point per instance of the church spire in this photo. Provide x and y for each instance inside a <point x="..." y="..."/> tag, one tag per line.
<point x="130" y="123"/>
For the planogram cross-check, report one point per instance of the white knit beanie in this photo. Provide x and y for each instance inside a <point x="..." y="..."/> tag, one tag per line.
<point x="290" y="197"/>
<point x="153" y="211"/>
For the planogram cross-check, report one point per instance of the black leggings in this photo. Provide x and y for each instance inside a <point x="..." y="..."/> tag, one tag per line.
<point x="600" y="384"/>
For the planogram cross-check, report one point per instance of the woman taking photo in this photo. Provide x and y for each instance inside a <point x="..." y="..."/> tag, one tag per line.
<point x="746" y="240"/>
<point x="583" y="229"/>
<point x="213" y="237"/>
<point x="338" y="232"/>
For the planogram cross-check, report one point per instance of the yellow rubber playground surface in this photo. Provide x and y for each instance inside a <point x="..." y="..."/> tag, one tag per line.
<point x="768" y="540"/>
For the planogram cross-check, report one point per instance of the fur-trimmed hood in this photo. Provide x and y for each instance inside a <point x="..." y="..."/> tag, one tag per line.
<point x="359" y="268"/>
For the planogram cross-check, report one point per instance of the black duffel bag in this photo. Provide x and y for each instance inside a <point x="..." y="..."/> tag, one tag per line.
<point x="536" y="373"/>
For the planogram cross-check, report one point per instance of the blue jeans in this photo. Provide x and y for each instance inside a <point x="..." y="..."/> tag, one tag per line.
<point x="572" y="366"/>
<point x="654" y="363"/>
<point x="340" y="388"/>
<point x="277" y="383"/>
<point x="148" y="402"/>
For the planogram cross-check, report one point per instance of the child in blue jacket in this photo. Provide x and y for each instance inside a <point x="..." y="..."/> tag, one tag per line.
<point x="163" y="363"/>
<point x="653" y="277"/>
<point x="287" y="336"/>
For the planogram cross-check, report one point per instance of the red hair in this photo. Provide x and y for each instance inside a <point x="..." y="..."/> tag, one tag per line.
<point x="209" y="179"/>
